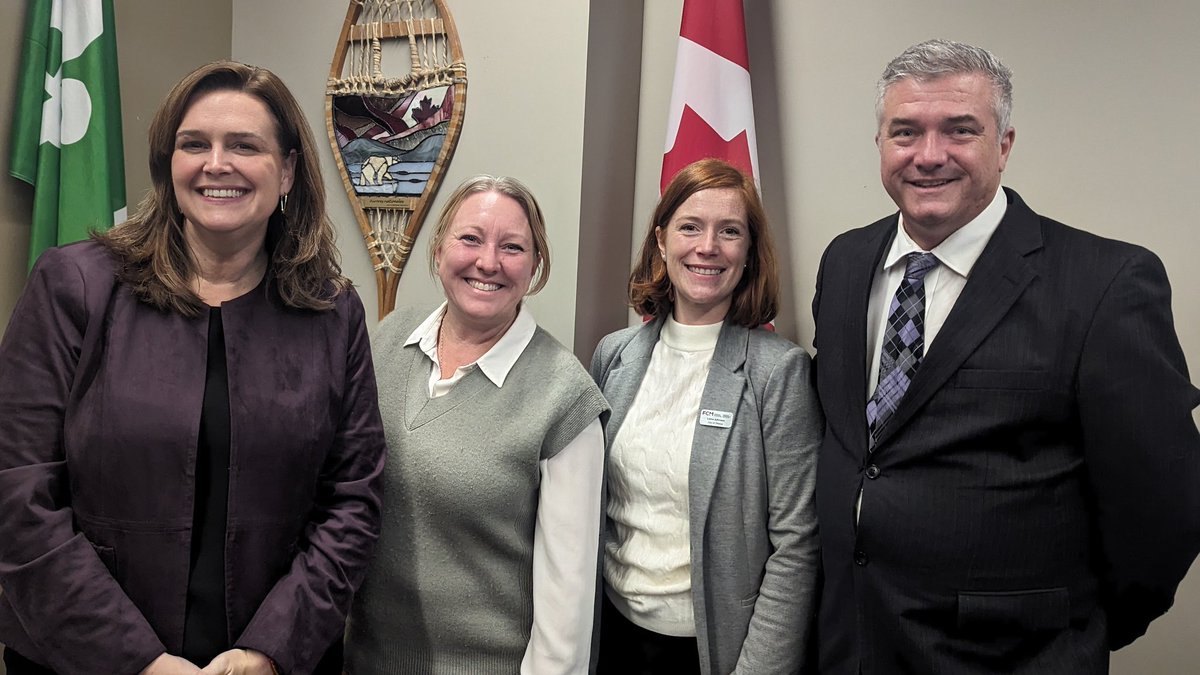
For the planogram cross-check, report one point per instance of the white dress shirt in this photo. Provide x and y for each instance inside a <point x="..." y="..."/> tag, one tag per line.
<point x="565" y="538"/>
<point x="956" y="256"/>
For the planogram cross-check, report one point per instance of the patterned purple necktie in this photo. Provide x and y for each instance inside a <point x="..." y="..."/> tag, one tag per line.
<point x="903" y="343"/>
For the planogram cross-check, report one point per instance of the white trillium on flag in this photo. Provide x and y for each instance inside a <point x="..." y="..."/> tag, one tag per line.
<point x="66" y="134"/>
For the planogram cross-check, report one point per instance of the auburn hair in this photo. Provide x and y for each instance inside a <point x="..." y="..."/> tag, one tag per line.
<point x="756" y="297"/>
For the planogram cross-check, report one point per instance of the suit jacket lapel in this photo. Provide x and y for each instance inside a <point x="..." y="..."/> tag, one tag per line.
<point x="722" y="393"/>
<point x="850" y="356"/>
<point x="621" y="383"/>
<point x="998" y="278"/>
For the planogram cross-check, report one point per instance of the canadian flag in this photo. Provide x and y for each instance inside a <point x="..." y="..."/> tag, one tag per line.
<point x="712" y="113"/>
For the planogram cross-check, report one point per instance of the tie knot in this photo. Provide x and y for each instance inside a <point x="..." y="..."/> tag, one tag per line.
<point x="918" y="264"/>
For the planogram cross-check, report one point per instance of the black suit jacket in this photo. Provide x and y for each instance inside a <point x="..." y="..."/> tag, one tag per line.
<point x="1035" y="499"/>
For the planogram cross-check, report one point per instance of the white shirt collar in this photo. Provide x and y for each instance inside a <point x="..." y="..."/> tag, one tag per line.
<point x="498" y="361"/>
<point x="962" y="248"/>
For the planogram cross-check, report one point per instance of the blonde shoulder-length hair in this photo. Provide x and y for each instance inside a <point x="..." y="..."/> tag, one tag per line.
<point x="513" y="189"/>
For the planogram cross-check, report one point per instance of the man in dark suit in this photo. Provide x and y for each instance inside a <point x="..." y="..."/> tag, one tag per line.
<point x="1010" y="476"/>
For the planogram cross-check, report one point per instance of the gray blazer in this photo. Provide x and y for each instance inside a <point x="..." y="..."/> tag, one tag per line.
<point x="750" y="489"/>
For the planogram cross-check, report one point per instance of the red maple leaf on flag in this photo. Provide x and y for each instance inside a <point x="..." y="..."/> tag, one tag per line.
<point x="696" y="140"/>
<point x="711" y="96"/>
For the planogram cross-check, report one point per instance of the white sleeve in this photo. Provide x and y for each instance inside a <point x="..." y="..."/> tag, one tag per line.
<point x="565" y="542"/>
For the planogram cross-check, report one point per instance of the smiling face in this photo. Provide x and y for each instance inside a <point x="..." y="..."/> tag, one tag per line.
<point x="227" y="168"/>
<point x="940" y="154"/>
<point x="486" y="261"/>
<point x="705" y="244"/>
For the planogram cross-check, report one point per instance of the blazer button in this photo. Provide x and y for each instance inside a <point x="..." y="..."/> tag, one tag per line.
<point x="860" y="558"/>
<point x="873" y="472"/>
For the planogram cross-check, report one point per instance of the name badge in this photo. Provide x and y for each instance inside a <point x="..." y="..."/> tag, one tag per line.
<point x="716" y="418"/>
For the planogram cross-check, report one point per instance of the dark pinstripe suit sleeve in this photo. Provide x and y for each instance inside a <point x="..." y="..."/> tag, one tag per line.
<point x="1141" y="446"/>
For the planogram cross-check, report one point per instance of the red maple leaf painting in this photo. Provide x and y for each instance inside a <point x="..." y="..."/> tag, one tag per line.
<point x="424" y="110"/>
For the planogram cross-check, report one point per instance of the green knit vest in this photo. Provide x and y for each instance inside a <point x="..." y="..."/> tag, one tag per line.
<point x="451" y="588"/>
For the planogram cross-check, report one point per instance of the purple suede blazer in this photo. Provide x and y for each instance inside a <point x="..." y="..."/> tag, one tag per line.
<point x="100" y="398"/>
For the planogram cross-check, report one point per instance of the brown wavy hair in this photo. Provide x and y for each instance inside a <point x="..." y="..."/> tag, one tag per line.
<point x="756" y="298"/>
<point x="155" y="261"/>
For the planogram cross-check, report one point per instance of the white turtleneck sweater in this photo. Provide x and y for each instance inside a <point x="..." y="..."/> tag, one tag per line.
<point x="648" y="562"/>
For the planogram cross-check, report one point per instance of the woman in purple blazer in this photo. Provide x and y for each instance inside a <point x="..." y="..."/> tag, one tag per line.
<point x="190" y="443"/>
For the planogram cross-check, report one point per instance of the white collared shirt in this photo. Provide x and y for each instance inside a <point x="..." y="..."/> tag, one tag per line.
<point x="564" y="563"/>
<point x="956" y="256"/>
<point x="495" y="363"/>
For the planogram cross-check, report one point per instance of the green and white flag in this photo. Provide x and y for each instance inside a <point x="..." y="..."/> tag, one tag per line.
<point x="66" y="134"/>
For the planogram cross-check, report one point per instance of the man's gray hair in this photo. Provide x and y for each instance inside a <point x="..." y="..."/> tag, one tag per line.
<point x="936" y="58"/>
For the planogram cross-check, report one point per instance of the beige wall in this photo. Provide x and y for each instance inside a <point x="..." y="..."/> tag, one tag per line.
<point x="154" y="58"/>
<point x="606" y="217"/>
<point x="16" y="198"/>
<point x="1105" y="107"/>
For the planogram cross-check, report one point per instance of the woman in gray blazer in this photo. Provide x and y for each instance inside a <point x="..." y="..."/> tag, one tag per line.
<point x="710" y="551"/>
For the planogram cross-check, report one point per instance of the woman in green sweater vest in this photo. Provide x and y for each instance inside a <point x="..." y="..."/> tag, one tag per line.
<point x="487" y="558"/>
